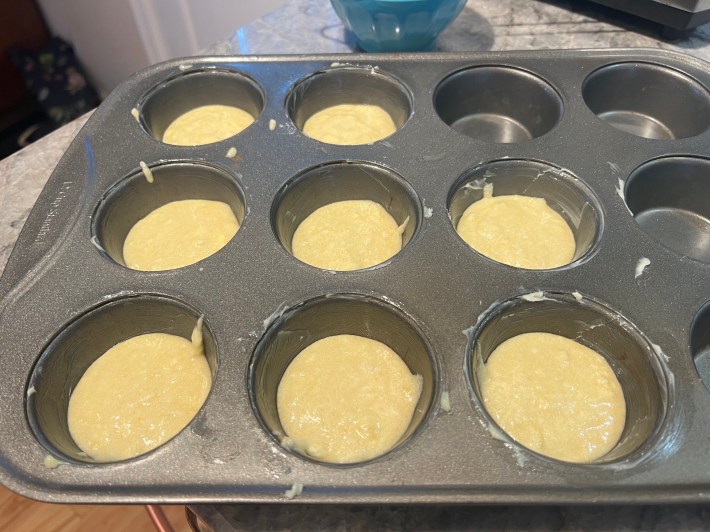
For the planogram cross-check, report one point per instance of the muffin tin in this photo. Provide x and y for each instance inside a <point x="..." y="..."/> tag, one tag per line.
<point x="615" y="140"/>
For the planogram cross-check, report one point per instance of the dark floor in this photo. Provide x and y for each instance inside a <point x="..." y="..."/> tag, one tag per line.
<point x="10" y="135"/>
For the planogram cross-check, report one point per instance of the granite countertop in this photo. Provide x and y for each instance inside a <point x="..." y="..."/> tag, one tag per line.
<point x="311" y="26"/>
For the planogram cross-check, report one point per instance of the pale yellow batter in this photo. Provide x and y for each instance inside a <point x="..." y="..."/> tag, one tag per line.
<point x="207" y="124"/>
<point x="350" y="124"/>
<point x="520" y="231"/>
<point x="139" y="394"/>
<point x="554" y="396"/>
<point x="347" y="399"/>
<point x="347" y="235"/>
<point x="179" y="233"/>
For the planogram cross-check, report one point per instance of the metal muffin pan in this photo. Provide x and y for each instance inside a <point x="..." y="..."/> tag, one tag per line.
<point x="615" y="140"/>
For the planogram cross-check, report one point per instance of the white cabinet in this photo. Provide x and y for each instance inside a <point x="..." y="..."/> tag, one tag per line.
<point x="114" y="38"/>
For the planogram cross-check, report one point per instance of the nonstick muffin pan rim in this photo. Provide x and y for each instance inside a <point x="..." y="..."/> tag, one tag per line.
<point x="453" y="458"/>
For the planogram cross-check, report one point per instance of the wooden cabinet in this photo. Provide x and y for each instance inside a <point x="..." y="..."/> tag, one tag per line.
<point x="21" y="25"/>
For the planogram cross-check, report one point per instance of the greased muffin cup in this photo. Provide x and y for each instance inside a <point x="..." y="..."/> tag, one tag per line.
<point x="615" y="141"/>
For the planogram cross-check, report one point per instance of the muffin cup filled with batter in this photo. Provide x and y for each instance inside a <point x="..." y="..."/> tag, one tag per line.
<point x="200" y="107"/>
<point x="525" y="213"/>
<point x="82" y="342"/>
<point x="498" y="104"/>
<point x="349" y="105"/>
<point x="345" y="215"/>
<point x="605" y="379"/>
<point x="188" y="212"/>
<point x="376" y="365"/>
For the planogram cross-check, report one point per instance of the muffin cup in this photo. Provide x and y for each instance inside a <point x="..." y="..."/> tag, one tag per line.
<point x="330" y="315"/>
<point x="498" y="104"/>
<point x="342" y="181"/>
<point x="563" y="192"/>
<point x="348" y="85"/>
<point x="67" y="357"/>
<point x="668" y="198"/>
<point x="133" y="198"/>
<point x="644" y="379"/>
<point x="648" y="100"/>
<point x="177" y="95"/>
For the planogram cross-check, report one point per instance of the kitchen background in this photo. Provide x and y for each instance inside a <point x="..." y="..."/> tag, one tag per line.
<point x="111" y="40"/>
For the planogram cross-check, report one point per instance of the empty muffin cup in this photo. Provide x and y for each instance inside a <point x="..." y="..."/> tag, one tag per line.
<point x="669" y="200"/>
<point x="328" y="316"/>
<point x="648" y="100"/>
<point x="646" y="386"/>
<point x="700" y="343"/>
<point x="568" y="196"/>
<point x="77" y="346"/>
<point x="134" y="198"/>
<point x="229" y="101"/>
<point x="498" y="104"/>
<point x="346" y="181"/>
<point x="349" y="105"/>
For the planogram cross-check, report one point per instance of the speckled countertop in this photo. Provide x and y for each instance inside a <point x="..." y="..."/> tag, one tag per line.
<point x="305" y="26"/>
<point x="311" y="26"/>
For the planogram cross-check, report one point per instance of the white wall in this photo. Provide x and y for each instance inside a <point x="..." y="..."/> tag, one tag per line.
<point x="104" y="36"/>
<point x="115" y="38"/>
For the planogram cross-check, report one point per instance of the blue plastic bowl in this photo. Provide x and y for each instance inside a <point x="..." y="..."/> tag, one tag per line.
<point x="397" y="25"/>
